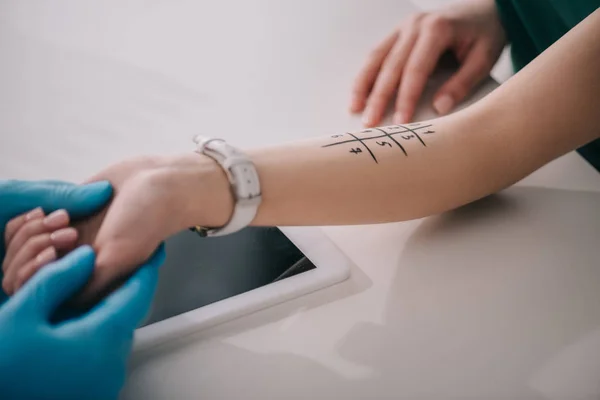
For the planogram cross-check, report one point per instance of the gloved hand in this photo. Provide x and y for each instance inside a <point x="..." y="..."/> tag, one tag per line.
<point x="81" y="358"/>
<point x="17" y="197"/>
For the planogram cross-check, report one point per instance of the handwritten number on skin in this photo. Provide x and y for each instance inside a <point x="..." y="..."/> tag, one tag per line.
<point x="383" y="138"/>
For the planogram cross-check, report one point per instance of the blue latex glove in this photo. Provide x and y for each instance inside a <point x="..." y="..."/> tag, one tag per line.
<point x="82" y="358"/>
<point x="18" y="197"/>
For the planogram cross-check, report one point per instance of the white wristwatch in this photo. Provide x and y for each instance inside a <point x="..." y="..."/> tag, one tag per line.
<point x="243" y="179"/>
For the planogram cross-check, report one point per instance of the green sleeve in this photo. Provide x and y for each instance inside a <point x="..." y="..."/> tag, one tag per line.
<point x="534" y="25"/>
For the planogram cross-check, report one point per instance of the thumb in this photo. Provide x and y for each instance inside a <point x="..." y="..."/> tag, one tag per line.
<point x="475" y="68"/>
<point x="79" y="200"/>
<point x="57" y="282"/>
<point x="124" y="309"/>
<point x="18" y="197"/>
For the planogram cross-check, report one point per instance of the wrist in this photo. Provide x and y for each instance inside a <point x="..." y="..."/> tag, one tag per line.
<point x="200" y="190"/>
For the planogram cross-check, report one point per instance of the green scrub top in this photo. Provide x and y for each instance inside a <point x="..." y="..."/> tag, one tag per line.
<point x="533" y="25"/>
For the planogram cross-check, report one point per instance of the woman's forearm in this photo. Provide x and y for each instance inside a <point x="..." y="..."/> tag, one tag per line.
<point x="377" y="175"/>
<point x="552" y="106"/>
<point x="405" y="172"/>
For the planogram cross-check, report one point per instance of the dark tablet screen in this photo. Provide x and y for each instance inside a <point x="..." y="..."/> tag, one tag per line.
<point x="200" y="271"/>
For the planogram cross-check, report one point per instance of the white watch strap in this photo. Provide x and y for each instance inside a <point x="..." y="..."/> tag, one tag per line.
<point x="243" y="179"/>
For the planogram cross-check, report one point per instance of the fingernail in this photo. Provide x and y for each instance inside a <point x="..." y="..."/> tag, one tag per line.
<point x="35" y="213"/>
<point x="356" y="104"/>
<point x="443" y="104"/>
<point x="399" y="118"/>
<point x="46" y="256"/>
<point x="368" y="117"/>
<point x="57" y="219"/>
<point x="64" y="236"/>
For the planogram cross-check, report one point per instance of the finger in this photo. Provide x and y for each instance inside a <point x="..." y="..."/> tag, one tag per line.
<point x="419" y="67"/>
<point x="53" y="285"/>
<point x="125" y="308"/>
<point x="115" y="262"/>
<point x="461" y="50"/>
<point x="61" y="240"/>
<point x="366" y="77"/>
<point x="16" y="223"/>
<point x="79" y="200"/>
<point x="32" y="227"/>
<point x="35" y="226"/>
<point x="25" y="224"/>
<point x="474" y="69"/>
<point x="388" y="78"/>
<point x="47" y="255"/>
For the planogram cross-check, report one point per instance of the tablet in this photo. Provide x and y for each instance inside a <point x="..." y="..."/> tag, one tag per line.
<point x="207" y="281"/>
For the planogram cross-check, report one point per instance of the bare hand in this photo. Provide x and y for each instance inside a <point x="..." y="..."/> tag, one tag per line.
<point x="33" y="240"/>
<point x="140" y="216"/>
<point x="404" y="61"/>
<point x="154" y="197"/>
<point x="142" y="213"/>
<point x="124" y="234"/>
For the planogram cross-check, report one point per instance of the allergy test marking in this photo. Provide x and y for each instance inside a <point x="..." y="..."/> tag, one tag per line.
<point x="406" y="132"/>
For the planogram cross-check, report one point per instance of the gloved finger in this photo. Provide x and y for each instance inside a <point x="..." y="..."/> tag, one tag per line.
<point x="61" y="241"/>
<point x="419" y="67"/>
<point x="366" y="78"/>
<point x="54" y="284"/>
<point x="476" y="67"/>
<point x="124" y="309"/>
<point x="79" y="200"/>
<point x="30" y="228"/>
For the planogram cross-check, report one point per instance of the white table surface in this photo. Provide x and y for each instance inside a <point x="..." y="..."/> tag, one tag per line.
<point x="498" y="300"/>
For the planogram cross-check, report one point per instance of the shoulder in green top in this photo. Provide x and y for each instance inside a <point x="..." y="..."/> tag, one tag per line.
<point x="534" y="25"/>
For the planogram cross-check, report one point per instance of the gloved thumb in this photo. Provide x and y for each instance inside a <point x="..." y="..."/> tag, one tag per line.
<point x="125" y="308"/>
<point x="18" y="197"/>
<point x="57" y="282"/>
